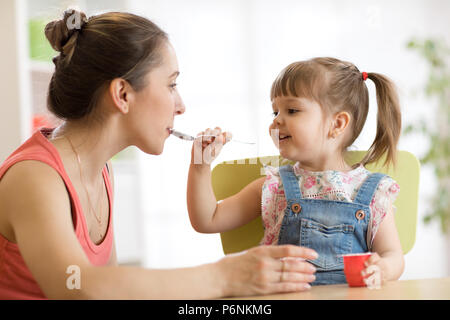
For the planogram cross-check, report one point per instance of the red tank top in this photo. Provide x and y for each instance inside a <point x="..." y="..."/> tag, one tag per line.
<point x="16" y="280"/>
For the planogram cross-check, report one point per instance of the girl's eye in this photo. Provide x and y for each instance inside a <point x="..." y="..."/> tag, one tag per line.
<point x="275" y="113"/>
<point x="292" y="111"/>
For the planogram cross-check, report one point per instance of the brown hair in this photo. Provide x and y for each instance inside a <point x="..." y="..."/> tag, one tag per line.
<point x="95" y="51"/>
<point x="339" y="86"/>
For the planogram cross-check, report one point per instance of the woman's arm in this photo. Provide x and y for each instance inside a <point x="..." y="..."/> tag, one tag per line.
<point x="206" y="215"/>
<point x="388" y="249"/>
<point x="43" y="229"/>
<point x="257" y="271"/>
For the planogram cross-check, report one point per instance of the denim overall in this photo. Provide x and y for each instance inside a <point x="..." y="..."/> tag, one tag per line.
<point x="330" y="227"/>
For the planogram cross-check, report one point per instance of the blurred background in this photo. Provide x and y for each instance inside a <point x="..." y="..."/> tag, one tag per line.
<point x="229" y="53"/>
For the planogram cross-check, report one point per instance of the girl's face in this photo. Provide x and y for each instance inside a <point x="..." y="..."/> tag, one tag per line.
<point x="302" y="133"/>
<point x="154" y="107"/>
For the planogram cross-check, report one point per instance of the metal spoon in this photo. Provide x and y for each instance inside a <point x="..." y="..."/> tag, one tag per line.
<point x="187" y="137"/>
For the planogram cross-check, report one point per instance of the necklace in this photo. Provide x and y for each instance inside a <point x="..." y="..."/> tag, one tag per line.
<point x="98" y="218"/>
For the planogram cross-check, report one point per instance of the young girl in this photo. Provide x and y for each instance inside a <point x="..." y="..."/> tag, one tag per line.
<point x="321" y="202"/>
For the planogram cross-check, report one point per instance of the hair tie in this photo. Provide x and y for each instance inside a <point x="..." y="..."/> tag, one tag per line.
<point x="364" y="76"/>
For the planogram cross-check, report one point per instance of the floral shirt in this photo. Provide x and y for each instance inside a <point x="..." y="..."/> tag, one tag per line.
<point x="330" y="185"/>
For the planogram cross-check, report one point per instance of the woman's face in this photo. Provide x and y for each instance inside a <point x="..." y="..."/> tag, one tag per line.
<point x="154" y="107"/>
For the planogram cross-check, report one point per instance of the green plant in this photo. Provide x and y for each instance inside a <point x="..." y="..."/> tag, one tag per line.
<point x="40" y="49"/>
<point x="437" y="54"/>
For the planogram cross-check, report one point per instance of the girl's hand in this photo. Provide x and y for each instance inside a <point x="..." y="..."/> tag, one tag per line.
<point x="375" y="274"/>
<point x="206" y="149"/>
<point x="266" y="270"/>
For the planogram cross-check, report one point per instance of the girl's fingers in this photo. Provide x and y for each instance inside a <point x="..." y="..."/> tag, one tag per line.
<point x="207" y="140"/>
<point x="374" y="258"/>
<point x="227" y="136"/>
<point x="198" y="140"/>
<point x="211" y="142"/>
<point x="216" y="135"/>
<point x="217" y="131"/>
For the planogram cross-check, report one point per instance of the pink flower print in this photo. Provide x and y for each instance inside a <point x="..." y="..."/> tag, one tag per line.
<point x="310" y="182"/>
<point x="269" y="239"/>
<point x="346" y="179"/>
<point x="273" y="187"/>
<point x="395" y="188"/>
<point x="281" y="205"/>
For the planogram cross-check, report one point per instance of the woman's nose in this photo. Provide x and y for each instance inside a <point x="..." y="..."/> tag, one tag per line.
<point x="180" y="109"/>
<point x="179" y="106"/>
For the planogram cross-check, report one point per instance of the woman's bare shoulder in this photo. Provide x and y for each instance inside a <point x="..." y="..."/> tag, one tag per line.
<point x="25" y="189"/>
<point x="24" y="175"/>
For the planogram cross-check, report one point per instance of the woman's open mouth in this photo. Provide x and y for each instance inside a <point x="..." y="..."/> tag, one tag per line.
<point x="284" y="137"/>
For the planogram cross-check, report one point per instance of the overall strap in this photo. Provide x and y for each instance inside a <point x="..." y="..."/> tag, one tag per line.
<point x="290" y="183"/>
<point x="368" y="188"/>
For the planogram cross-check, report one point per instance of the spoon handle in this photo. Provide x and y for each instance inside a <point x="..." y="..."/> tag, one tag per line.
<point x="188" y="137"/>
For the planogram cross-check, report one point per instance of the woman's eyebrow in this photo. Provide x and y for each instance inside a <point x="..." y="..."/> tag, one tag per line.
<point x="175" y="74"/>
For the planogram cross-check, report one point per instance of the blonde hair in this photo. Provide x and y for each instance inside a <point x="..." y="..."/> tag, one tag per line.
<point x="339" y="86"/>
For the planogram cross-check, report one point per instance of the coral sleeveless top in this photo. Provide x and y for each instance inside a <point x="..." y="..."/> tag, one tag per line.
<point x="16" y="280"/>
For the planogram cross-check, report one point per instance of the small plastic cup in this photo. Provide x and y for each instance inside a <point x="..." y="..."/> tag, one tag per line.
<point x="353" y="265"/>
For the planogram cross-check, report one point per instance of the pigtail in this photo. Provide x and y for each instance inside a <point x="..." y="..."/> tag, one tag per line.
<point x="389" y="121"/>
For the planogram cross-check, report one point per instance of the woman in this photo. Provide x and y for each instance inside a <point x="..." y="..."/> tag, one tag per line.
<point x="114" y="85"/>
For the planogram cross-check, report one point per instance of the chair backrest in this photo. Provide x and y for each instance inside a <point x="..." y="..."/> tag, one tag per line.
<point x="230" y="177"/>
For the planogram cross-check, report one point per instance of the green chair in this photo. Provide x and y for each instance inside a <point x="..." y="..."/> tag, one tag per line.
<point x="230" y="177"/>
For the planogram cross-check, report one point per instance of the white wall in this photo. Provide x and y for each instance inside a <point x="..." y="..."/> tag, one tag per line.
<point x="15" y="108"/>
<point x="230" y="52"/>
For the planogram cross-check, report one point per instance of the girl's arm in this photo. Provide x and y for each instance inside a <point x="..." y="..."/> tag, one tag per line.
<point x="43" y="229"/>
<point x="205" y="213"/>
<point x="388" y="254"/>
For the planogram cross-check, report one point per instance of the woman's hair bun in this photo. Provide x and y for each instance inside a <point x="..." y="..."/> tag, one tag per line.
<point x="59" y="32"/>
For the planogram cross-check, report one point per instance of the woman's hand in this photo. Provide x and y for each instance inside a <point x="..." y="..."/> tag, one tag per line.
<point x="267" y="270"/>
<point x="206" y="149"/>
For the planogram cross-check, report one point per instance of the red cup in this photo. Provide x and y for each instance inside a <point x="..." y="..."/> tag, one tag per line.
<point x="353" y="265"/>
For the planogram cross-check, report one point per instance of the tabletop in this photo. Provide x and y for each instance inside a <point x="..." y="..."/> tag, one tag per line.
<point x="422" y="289"/>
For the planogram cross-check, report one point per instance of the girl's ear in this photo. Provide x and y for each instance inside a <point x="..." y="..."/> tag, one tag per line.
<point x="340" y="122"/>
<point x="121" y="94"/>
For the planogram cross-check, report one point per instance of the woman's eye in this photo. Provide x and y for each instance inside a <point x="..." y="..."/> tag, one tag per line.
<point x="173" y="85"/>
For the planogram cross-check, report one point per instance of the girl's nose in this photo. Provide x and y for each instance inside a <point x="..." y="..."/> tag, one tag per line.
<point x="277" y="120"/>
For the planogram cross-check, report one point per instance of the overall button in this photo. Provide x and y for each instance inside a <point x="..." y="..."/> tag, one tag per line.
<point x="296" y="208"/>
<point x="360" y="214"/>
